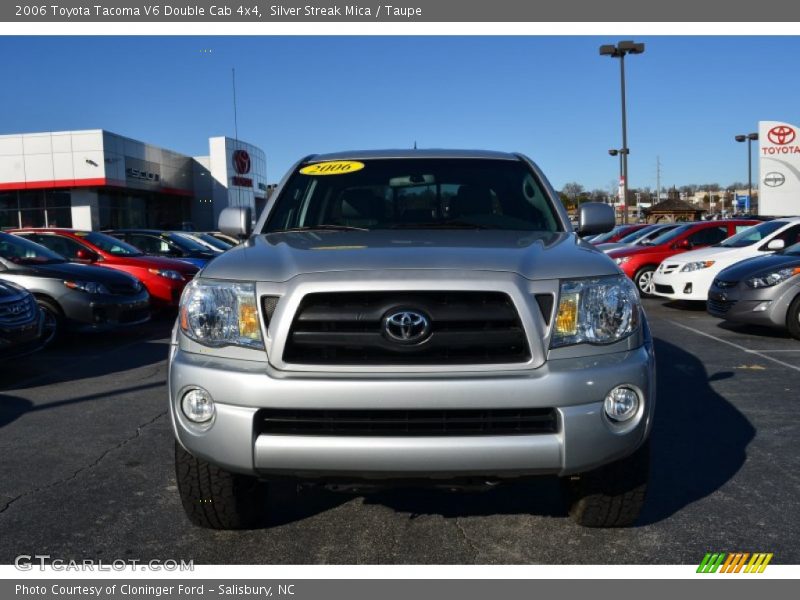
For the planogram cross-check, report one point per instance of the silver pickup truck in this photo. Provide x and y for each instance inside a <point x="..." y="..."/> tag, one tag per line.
<point x="411" y="315"/>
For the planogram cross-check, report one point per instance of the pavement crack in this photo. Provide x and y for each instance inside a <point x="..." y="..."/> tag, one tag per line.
<point x="467" y="539"/>
<point x="84" y="468"/>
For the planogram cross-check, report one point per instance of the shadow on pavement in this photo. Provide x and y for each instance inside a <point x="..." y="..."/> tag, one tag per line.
<point x="699" y="438"/>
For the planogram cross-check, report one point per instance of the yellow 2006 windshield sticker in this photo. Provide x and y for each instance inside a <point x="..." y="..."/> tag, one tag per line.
<point x="333" y="167"/>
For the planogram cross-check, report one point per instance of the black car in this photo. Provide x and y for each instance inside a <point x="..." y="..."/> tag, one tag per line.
<point x="156" y="242"/>
<point x="21" y="322"/>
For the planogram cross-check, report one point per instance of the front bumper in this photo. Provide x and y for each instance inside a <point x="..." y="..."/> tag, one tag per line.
<point x="99" y="312"/>
<point x="690" y="285"/>
<point x="21" y="340"/>
<point x="575" y="387"/>
<point x="764" y="306"/>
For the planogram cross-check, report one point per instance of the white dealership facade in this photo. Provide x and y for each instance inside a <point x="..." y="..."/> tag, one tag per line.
<point x="95" y="179"/>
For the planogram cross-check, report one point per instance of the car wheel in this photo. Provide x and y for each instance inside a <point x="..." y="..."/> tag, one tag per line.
<point x="613" y="495"/>
<point x="644" y="281"/>
<point x="215" y="498"/>
<point x="53" y="321"/>
<point x="793" y="318"/>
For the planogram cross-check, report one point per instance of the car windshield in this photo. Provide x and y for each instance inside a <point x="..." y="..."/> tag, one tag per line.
<point x="669" y="235"/>
<point x="752" y="235"/>
<point x="639" y="233"/>
<point x="187" y="244"/>
<point x="212" y="241"/>
<point x="24" y="252"/>
<point x="112" y="245"/>
<point x="414" y="194"/>
<point x="794" y="250"/>
<point x="604" y="237"/>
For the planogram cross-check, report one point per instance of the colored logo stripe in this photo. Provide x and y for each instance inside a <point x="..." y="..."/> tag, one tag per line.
<point x="735" y="562"/>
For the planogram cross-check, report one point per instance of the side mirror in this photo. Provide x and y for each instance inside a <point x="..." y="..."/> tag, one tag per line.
<point x="86" y="256"/>
<point x="595" y="218"/>
<point x="235" y="221"/>
<point x="776" y="244"/>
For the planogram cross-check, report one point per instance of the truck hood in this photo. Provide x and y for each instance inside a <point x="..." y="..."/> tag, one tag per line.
<point x="279" y="257"/>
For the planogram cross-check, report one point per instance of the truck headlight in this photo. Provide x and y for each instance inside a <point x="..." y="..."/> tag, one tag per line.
<point x="773" y="278"/>
<point x="221" y="313"/>
<point x="696" y="266"/>
<point x="599" y="310"/>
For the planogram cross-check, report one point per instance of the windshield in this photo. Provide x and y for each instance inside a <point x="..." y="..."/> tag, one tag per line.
<point x="604" y="237"/>
<point x="639" y="233"/>
<point x="752" y="235"/>
<point x="24" y="252"/>
<point x="187" y="244"/>
<point x="212" y="241"/>
<point x="669" y="235"/>
<point x="414" y="194"/>
<point x="794" y="250"/>
<point x="112" y="245"/>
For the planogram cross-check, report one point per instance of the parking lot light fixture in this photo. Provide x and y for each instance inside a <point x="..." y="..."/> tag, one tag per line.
<point x="749" y="138"/>
<point x="619" y="51"/>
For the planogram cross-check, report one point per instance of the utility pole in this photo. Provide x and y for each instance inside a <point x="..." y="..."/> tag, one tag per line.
<point x="658" y="179"/>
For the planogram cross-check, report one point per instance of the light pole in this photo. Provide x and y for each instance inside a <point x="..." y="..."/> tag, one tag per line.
<point x="619" y="51"/>
<point x="750" y="137"/>
<point x="622" y="152"/>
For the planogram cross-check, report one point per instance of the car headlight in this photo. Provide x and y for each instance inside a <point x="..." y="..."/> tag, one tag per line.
<point x="622" y="260"/>
<point x="221" y="313"/>
<point x="167" y="273"/>
<point x="773" y="278"/>
<point x="696" y="266"/>
<point x="600" y="310"/>
<point x="90" y="287"/>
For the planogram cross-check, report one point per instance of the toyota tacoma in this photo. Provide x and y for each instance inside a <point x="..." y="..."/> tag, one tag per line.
<point x="411" y="315"/>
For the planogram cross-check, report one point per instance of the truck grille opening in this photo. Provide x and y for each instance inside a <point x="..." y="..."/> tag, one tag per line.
<point x="453" y="422"/>
<point x="349" y="328"/>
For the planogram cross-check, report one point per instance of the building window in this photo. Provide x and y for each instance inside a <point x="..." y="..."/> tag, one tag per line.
<point x="35" y="208"/>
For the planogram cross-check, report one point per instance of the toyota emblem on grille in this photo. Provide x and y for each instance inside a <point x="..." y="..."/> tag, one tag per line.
<point x="406" y="327"/>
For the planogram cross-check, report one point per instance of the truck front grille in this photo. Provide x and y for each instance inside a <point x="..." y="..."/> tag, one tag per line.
<point x="453" y="422"/>
<point x="349" y="328"/>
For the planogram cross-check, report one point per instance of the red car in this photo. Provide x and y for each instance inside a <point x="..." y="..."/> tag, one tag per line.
<point x="640" y="262"/>
<point x="164" y="278"/>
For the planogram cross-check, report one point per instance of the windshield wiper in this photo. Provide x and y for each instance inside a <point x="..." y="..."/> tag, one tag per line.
<point x="440" y="225"/>
<point x="324" y="227"/>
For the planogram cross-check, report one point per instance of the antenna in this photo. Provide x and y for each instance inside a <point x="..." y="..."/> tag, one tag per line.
<point x="658" y="179"/>
<point x="415" y="144"/>
<point x="235" y="118"/>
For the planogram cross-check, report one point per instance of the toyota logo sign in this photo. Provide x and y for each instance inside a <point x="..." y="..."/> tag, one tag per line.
<point x="781" y="135"/>
<point x="241" y="161"/>
<point x="774" y="179"/>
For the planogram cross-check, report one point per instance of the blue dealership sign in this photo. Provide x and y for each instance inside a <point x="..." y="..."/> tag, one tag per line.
<point x="743" y="203"/>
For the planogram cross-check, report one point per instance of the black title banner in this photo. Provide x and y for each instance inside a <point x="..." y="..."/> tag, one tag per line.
<point x="401" y="11"/>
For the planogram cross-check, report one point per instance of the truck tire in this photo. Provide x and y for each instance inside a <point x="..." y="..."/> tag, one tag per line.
<point x="217" y="499"/>
<point x="612" y="495"/>
<point x="793" y="318"/>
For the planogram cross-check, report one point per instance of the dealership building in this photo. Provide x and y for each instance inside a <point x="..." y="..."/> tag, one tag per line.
<point x="95" y="179"/>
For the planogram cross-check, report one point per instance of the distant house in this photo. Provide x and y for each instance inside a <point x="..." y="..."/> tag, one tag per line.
<point x="672" y="211"/>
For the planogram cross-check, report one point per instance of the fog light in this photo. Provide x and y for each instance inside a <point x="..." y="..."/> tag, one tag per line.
<point x="687" y="289"/>
<point x="621" y="404"/>
<point x="762" y="306"/>
<point x="197" y="405"/>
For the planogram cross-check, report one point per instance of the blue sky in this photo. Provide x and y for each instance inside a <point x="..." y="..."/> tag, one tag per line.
<point x="553" y="98"/>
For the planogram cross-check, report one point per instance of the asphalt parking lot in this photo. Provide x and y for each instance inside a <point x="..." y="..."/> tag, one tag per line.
<point x="87" y="472"/>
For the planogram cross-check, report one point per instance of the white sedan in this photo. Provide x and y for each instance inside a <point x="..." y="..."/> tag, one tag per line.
<point x="688" y="276"/>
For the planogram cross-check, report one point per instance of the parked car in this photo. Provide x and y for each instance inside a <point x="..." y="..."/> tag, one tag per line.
<point x="639" y="236"/>
<point x="616" y="234"/>
<point x="164" y="278"/>
<point x="762" y="291"/>
<point x="73" y="296"/>
<point x="21" y="322"/>
<point x="640" y="262"/>
<point x="412" y="315"/>
<point x="168" y="244"/>
<point x="689" y="276"/>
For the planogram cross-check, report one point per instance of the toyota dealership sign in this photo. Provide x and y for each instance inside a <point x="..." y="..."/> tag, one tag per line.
<point x="779" y="161"/>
